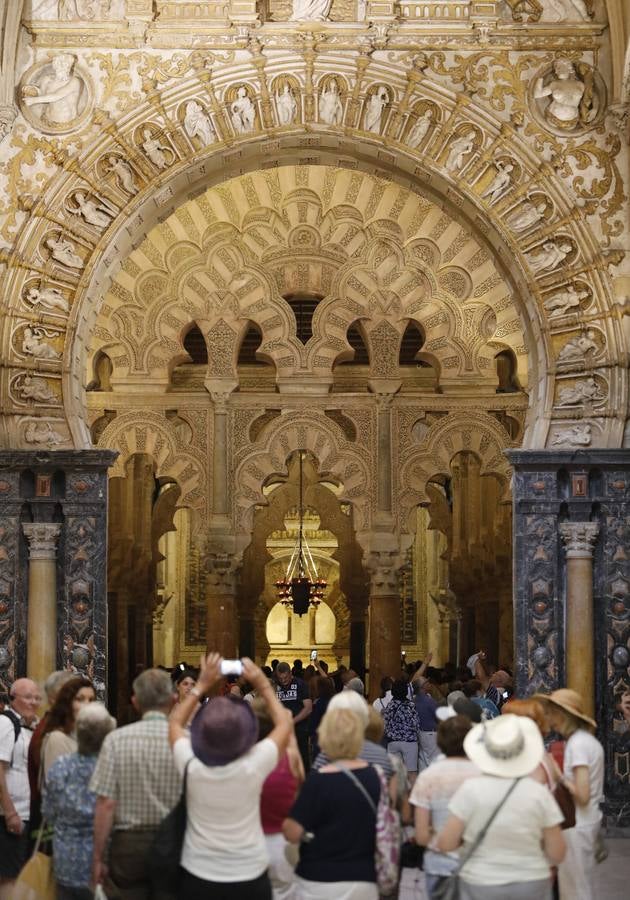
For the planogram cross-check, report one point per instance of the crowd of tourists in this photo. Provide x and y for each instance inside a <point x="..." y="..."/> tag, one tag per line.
<point x="285" y="783"/>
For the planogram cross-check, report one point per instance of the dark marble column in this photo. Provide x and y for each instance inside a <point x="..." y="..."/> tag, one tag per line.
<point x="68" y="488"/>
<point x="553" y="490"/>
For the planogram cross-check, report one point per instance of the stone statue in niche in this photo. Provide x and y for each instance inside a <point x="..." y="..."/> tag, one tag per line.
<point x="374" y="110"/>
<point x="123" y="173"/>
<point x="197" y="123"/>
<point x="579" y="347"/>
<point x="94" y="214"/>
<point x="578" y="435"/>
<point x="560" y="304"/>
<point x="155" y="151"/>
<point x="32" y="387"/>
<point x="564" y="11"/>
<point x="586" y="391"/>
<point x="33" y="345"/>
<point x="310" y="10"/>
<point x="500" y="183"/>
<point x="59" y="95"/>
<point x="459" y="148"/>
<point x="550" y="257"/>
<point x="62" y="250"/>
<point x="420" y="128"/>
<point x="286" y="106"/>
<point x="527" y="215"/>
<point x="330" y="106"/>
<point x="569" y="95"/>
<point x="242" y="112"/>
<point x="48" y="298"/>
<point x="42" y="433"/>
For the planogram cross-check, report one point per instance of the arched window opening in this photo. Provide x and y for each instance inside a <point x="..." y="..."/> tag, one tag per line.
<point x="195" y="347"/>
<point x="250" y="344"/>
<point x="303" y="306"/>
<point x="506" y="372"/>
<point x="412" y="342"/>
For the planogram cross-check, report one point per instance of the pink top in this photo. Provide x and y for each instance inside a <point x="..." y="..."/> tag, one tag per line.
<point x="277" y="796"/>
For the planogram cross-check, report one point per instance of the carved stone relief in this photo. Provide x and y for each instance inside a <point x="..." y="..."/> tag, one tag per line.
<point x="56" y="97"/>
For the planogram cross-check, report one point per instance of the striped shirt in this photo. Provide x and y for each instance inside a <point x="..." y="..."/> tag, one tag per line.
<point x="136" y="769"/>
<point x="372" y="753"/>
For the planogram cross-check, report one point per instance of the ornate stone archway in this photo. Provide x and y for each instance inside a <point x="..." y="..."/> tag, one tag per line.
<point x="403" y="166"/>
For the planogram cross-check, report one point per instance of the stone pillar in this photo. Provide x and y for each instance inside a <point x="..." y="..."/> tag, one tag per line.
<point x="561" y="489"/>
<point x="579" y="539"/>
<point x="384" y="619"/>
<point x="38" y="485"/>
<point x="41" y="629"/>
<point x="221" y="605"/>
<point x="384" y="497"/>
<point x="247" y="635"/>
<point x="219" y="457"/>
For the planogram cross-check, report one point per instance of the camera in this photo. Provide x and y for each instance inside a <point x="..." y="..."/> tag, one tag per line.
<point x="231" y="667"/>
<point x="313" y="654"/>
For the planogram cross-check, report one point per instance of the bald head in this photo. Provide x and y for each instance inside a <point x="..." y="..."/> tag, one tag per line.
<point x="25" y="698"/>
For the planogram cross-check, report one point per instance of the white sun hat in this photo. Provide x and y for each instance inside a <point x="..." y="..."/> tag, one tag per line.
<point x="509" y="746"/>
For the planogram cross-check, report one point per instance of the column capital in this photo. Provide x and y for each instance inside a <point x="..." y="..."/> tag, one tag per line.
<point x="579" y="538"/>
<point x="222" y="569"/>
<point x="384" y="569"/>
<point x="42" y="539"/>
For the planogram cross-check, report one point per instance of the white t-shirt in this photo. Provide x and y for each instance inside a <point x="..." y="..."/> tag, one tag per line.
<point x="15" y="753"/>
<point x="224" y="839"/>
<point x="582" y="749"/>
<point x="381" y="702"/>
<point x="512" y="849"/>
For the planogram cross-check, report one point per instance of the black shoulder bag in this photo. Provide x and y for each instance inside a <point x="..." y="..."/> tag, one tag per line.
<point x="165" y="853"/>
<point x="448" y="887"/>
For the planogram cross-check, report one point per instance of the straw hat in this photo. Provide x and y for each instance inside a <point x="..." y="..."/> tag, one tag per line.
<point x="509" y="746"/>
<point x="568" y="700"/>
<point x="223" y="730"/>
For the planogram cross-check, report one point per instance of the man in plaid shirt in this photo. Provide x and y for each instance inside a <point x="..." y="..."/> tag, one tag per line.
<point x="137" y="785"/>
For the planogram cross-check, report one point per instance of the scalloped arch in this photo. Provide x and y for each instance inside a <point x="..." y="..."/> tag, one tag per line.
<point x="345" y="463"/>
<point x="476" y="432"/>
<point x="146" y="432"/>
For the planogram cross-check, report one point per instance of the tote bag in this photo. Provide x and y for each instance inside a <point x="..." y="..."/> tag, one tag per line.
<point x="36" y="881"/>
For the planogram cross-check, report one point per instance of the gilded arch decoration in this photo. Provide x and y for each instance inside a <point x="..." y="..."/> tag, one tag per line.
<point x="145" y="188"/>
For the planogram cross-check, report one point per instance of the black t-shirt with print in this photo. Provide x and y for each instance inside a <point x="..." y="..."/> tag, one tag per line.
<point x="292" y="696"/>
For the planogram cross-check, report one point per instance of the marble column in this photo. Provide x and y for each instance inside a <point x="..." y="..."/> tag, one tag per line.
<point x="384" y="620"/>
<point x="219" y="457"/>
<point x="579" y="539"/>
<point x="221" y="605"/>
<point x="41" y="629"/>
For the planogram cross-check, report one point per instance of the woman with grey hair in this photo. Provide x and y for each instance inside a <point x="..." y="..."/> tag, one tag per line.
<point x="68" y="804"/>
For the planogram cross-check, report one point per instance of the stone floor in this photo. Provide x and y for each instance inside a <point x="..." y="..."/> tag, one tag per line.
<point x="612" y="876"/>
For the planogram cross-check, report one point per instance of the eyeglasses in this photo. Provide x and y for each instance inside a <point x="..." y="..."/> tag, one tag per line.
<point x="35" y="697"/>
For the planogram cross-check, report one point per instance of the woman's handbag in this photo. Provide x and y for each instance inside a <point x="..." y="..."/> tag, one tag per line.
<point x="165" y="853"/>
<point x="36" y="881"/>
<point x="388" y="833"/>
<point x="448" y="887"/>
<point x="564" y="798"/>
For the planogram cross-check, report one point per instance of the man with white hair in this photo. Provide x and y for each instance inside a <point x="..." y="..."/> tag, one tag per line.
<point x="16" y="728"/>
<point x="372" y="753"/>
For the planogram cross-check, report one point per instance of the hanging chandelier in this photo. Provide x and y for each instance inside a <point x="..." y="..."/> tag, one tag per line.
<point x="301" y="586"/>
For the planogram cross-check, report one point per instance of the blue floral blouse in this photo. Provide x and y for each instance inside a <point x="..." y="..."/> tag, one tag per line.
<point x="68" y="805"/>
<point x="401" y="721"/>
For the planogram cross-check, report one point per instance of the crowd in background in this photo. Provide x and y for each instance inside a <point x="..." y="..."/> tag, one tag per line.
<point x="285" y="772"/>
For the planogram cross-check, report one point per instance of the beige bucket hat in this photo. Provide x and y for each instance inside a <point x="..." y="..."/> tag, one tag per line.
<point x="568" y="700"/>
